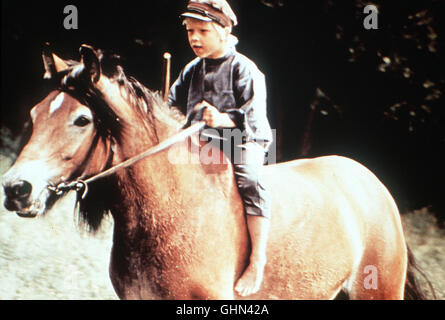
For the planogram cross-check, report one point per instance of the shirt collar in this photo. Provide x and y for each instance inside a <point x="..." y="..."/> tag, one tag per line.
<point x="229" y="53"/>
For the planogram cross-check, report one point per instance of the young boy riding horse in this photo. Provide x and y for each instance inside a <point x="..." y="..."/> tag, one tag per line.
<point x="226" y="90"/>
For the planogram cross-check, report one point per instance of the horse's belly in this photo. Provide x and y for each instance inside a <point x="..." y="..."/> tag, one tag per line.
<point x="305" y="262"/>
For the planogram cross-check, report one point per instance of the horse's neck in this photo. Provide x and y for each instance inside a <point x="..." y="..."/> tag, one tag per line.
<point x="137" y="131"/>
<point x="145" y="185"/>
<point x="162" y="209"/>
<point x="157" y="191"/>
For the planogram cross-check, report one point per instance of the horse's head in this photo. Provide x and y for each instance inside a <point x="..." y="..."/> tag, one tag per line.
<point x="67" y="141"/>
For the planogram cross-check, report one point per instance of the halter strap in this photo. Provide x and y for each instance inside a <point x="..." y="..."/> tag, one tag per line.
<point x="82" y="185"/>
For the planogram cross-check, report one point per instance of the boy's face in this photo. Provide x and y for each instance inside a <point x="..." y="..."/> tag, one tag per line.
<point x="204" y="40"/>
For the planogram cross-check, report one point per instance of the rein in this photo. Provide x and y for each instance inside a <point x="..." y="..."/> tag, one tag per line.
<point x="82" y="185"/>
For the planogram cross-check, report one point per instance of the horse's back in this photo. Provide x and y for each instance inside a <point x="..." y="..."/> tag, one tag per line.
<point x="338" y="186"/>
<point x="332" y="179"/>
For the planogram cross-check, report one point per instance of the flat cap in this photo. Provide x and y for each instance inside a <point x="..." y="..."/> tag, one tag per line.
<point x="218" y="11"/>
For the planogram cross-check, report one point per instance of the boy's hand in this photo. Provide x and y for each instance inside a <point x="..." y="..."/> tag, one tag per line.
<point x="211" y="115"/>
<point x="213" y="118"/>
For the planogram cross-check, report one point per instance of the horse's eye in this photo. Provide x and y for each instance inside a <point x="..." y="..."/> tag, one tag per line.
<point x="82" y="121"/>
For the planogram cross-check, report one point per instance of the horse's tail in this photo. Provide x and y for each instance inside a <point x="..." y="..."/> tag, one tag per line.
<point x="413" y="291"/>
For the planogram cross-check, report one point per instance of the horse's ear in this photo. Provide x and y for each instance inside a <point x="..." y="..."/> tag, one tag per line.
<point x="51" y="62"/>
<point x="91" y="62"/>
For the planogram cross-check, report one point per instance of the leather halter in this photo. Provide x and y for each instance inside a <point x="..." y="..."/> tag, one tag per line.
<point x="81" y="185"/>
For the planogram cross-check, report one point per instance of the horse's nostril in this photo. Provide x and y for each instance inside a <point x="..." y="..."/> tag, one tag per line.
<point x="19" y="189"/>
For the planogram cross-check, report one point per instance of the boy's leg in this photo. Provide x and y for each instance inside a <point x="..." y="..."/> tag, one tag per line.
<point x="256" y="203"/>
<point x="251" y="279"/>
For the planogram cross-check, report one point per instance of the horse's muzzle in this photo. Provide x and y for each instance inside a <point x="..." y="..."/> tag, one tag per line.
<point x="18" y="199"/>
<point x="18" y="190"/>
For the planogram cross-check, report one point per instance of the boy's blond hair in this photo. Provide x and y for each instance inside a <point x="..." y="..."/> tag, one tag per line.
<point x="225" y="33"/>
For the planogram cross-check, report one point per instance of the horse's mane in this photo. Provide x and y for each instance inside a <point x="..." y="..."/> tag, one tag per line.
<point x="148" y="104"/>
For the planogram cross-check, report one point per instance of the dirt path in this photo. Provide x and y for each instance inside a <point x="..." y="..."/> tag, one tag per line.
<point x="427" y="242"/>
<point x="50" y="257"/>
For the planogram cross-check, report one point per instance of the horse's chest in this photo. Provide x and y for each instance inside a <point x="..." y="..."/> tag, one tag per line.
<point x="140" y="273"/>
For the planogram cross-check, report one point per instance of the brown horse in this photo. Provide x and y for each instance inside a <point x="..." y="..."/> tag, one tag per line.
<point x="179" y="229"/>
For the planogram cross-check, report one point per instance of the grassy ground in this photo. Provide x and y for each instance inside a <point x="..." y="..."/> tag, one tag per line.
<point x="51" y="258"/>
